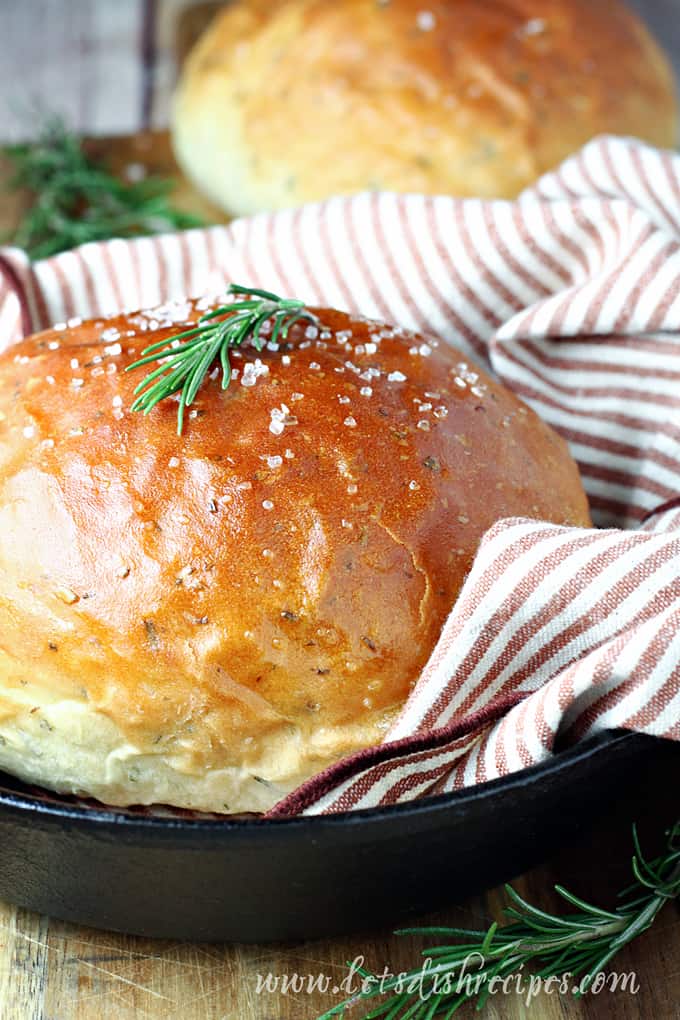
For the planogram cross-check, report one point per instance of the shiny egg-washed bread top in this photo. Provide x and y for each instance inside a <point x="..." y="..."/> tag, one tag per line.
<point x="292" y="101"/>
<point x="207" y="620"/>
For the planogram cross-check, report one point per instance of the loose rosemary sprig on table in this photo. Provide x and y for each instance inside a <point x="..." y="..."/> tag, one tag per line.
<point x="183" y="366"/>
<point x="78" y="200"/>
<point x="580" y="945"/>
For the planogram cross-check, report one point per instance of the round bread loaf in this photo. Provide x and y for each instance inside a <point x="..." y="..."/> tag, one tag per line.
<point x="206" y="620"/>
<point x="294" y="100"/>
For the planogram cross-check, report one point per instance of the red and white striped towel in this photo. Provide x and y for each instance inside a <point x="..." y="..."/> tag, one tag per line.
<point x="571" y="295"/>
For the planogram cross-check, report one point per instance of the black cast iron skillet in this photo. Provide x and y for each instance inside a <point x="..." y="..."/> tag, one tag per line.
<point x="221" y="879"/>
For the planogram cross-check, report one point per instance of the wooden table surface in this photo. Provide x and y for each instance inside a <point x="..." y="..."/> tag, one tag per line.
<point x="50" y="970"/>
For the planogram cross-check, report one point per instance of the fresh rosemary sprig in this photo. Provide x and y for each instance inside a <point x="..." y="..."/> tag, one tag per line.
<point x="78" y="200"/>
<point x="579" y="945"/>
<point x="183" y="367"/>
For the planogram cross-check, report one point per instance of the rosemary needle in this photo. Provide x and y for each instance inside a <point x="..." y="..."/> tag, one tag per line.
<point x="182" y="367"/>
<point x="578" y="945"/>
<point x="77" y="200"/>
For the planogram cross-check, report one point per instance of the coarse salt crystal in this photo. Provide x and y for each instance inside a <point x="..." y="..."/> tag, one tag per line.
<point x="413" y="486"/>
<point x="29" y="431"/>
<point x="424" y="425"/>
<point x="267" y="504"/>
<point x="343" y="400"/>
<point x="252" y="371"/>
<point x="173" y="462"/>
<point x="366" y="391"/>
<point x="350" y="422"/>
<point x="533" y="27"/>
<point x="426" y="21"/>
<point x="396" y="377"/>
<point x="117" y="401"/>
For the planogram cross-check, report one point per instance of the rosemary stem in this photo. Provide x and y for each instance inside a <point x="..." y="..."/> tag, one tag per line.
<point x="182" y="368"/>
<point x="580" y="945"/>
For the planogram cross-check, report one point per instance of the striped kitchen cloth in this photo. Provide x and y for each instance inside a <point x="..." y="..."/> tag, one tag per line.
<point x="571" y="297"/>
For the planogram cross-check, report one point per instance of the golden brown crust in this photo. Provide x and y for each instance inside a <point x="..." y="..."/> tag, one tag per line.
<point x="287" y="102"/>
<point x="237" y="594"/>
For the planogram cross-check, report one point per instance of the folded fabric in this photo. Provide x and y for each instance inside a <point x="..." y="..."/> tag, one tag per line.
<point x="571" y="296"/>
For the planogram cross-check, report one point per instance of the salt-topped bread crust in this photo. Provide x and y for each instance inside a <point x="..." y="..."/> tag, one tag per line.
<point x="207" y="620"/>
